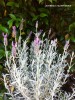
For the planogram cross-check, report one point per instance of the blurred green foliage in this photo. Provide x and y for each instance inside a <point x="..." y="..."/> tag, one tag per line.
<point x="60" y="19"/>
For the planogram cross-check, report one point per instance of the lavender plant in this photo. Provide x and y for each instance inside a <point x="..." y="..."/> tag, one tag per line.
<point x="38" y="73"/>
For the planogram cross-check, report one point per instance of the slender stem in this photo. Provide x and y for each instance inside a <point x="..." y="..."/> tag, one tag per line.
<point x="15" y="38"/>
<point x="36" y="30"/>
<point x="6" y="52"/>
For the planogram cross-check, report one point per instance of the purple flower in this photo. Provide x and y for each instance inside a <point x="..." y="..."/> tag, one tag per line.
<point x="14" y="45"/>
<point x="14" y="31"/>
<point x="5" y="39"/>
<point x="36" y="41"/>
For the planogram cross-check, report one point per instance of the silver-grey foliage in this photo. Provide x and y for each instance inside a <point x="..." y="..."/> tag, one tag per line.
<point x="38" y="73"/>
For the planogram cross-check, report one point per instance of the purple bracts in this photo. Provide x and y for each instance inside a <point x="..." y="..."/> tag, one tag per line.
<point x="14" y="45"/>
<point x="36" y="41"/>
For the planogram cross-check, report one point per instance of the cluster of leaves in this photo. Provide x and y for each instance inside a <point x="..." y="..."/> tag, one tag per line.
<point x="60" y="19"/>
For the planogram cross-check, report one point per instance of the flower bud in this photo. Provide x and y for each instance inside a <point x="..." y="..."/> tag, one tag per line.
<point x="14" y="45"/>
<point x="14" y="31"/>
<point x="5" y="39"/>
<point x="36" y="24"/>
<point x="66" y="45"/>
